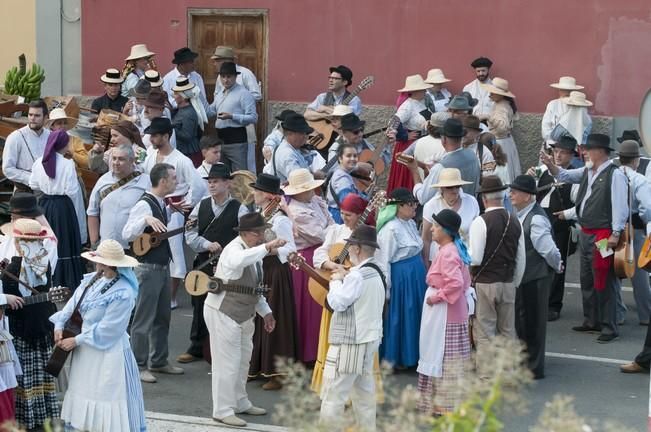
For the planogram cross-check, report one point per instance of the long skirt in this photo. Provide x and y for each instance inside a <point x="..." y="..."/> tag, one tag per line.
<point x="402" y="323"/>
<point x="114" y="401"/>
<point x="60" y="213"/>
<point x="399" y="175"/>
<point x="512" y="155"/>
<point x="442" y="395"/>
<point x="308" y="312"/>
<point x="36" y="398"/>
<point x="7" y="406"/>
<point x="283" y="341"/>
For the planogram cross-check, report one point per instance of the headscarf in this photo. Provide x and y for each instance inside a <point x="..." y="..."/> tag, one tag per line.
<point x="129" y="131"/>
<point x="127" y="274"/>
<point x="578" y="123"/>
<point x="193" y="96"/>
<point x="387" y="213"/>
<point x="461" y="246"/>
<point x="56" y="141"/>
<point x="353" y="203"/>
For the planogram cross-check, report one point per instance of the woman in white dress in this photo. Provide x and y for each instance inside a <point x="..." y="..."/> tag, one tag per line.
<point x="101" y="353"/>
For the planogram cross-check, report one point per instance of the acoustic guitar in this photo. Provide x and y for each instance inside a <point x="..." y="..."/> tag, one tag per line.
<point x="147" y="241"/>
<point x="624" y="261"/>
<point x="198" y="283"/>
<point x="644" y="260"/>
<point x="323" y="127"/>
<point x="374" y="157"/>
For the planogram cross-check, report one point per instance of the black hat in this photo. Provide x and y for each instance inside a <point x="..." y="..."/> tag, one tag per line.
<point x="267" y="183"/>
<point x="159" y="125"/>
<point x="219" y="171"/>
<point x="481" y="62"/>
<point x="24" y="204"/>
<point x="631" y="134"/>
<point x="401" y="196"/>
<point x="597" y="140"/>
<point x="344" y="71"/>
<point x="252" y="222"/>
<point x="363" y="235"/>
<point x="525" y="183"/>
<point x="284" y="113"/>
<point x="629" y="149"/>
<point x="351" y="122"/>
<point x="228" y="68"/>
<point x="491" y="183"/>
<point x="296" y="123"/>
<point x="453" y="128"/>
<point x="448" y="219"/>
<point x="184" y="55"/>
<point x="566" y="142"/>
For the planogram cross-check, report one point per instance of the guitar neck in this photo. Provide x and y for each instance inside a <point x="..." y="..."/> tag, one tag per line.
<point x="241" y="289"/>
<point x="33" y="299"/>
<point x="351" y="95"/>
<point x="362" y="219"/>
<point x="175" y="231"/>
<point x="311" y="272"/>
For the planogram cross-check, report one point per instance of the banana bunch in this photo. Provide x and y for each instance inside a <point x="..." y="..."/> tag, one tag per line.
<point x="22" y="82"/>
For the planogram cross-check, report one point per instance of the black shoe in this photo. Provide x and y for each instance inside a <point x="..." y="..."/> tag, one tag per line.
<point x="586" y="329"/>
<point x="605" y="338"/>
<point x="553" y="315"/>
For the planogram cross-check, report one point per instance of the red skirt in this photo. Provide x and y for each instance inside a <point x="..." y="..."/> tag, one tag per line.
<point x="308" y="312"/>
<point x="7" y="406"/>
<point x="399" y="175"/>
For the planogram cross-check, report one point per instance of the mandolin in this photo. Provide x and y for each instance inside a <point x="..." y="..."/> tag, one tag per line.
<point x="198" y="283"/>
<point x="374" y="157"/>
<point x="147" y="241"/>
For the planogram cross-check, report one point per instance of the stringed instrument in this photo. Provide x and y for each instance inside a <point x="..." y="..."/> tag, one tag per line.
<point x="147" y="241"/>
<point x="374" y="157"/>
<point x="319" y="283"/>
<point x="198" y="283"/>
<point x="624" y="261"/>
<point x="644" y="260"/>
<point x="323" y="127"/>
<point x="56" y="294"/>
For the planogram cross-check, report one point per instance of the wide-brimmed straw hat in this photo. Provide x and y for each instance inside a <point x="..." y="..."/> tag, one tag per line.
<point x="414" y="83"/>
<point x="154" y="78"/>
<point x="26" y="229"/>
<point x="182" y="84"/>
<point x="436" y="76"/>
<point x="301" y="180"/>
<point x="139" y="51"/>
<point x="566" y="83"/>
<point x="499" y="86"/>
<point x="112" y="76"/>
<point x="577" y="98"/>
<point x="60" y="114"/>
<point x="450" y="177"/>
<point x="110" y="253"/>
<point x="341" y="110"/>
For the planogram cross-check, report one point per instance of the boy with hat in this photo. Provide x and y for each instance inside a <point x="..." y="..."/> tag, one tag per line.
<point x="217" y="216"/>
<point x="140" y="59"/>
<point x="111" y="99"/>
<point x="340" y="78"/>
<point x="476" y="87"/>
<point x="211" y="151"/>
<point x="275" y="137"/>
<point x="184" y="60"/>
<point x="542" y="259"/>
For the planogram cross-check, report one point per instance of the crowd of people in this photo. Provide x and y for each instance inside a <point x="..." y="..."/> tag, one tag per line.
<point x="321" y="266"/>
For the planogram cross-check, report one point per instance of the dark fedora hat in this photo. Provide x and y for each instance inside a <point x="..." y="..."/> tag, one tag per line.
<point x="629" y="149"/>
<point x="351" y="122"/>
<point x="459" y="103"/>
<point x="471" y="122"/>
<point x="491" y="183"/>
<point x="156" y="99"/>
<point x="631" y="134"/>
<point x="453" y="128"/>
<point x="284" y="113"/>
<point x="401" y="196"/>
<point x="267" y="183"/>
<point x="481" y="62"/>
<point x="471" y="100"/>
<point x="252" y="222"/>
<point x="184" y="55"/>
<point x="525" y="183"/>
<point x="448" y="219"/>
<point x="219" y="171"/>
<point x="296" y="123"/>
<point x="228" y="68"/>
<point x="159" y="125"/>
<point x="344" y="71"/>
<point x="364" y="235"/>
<point x="597" y="140"/>
<point x="24" y="204"/>
<point x="566" y="142"/>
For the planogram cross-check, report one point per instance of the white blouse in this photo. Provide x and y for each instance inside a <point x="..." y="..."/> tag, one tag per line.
<point x="283" y="228"/>
<point x="409" y="115"/>
<point x="398" y="239"/>
<point x="468" y="211"/>
<point x="334" y="234"/>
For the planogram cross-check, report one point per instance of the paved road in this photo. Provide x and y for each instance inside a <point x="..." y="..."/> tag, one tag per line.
<point x="575" y="366"/>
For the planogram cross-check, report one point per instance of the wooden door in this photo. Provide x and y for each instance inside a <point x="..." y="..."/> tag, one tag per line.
<point x="245" y="31"/>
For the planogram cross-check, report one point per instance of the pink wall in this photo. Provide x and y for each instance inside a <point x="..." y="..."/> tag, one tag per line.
<point x="603" y="43"/>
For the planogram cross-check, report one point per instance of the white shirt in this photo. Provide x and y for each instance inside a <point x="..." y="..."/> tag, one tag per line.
<point x="398" y="239"/>
<point x="193" y="239"/>
<point x="484" y="104"/>
<point x="440" y="105"/>
<point x="22" y="148"/>
<point x="283" y="228"/>
<point x="541" y="238"/>
<point x="146" y="141"/>
<point x="136" y="223"/>
<point x="245" y="78"/>
<point x="203" y="170"/>
<point x="478" y="246"/>
<point x="468" y="210"/>
<point x="189" y="183"/>
<point x="169" y="81"/>
<point x="334" y="234"/>
<point x="553" y="114"/>
<point x="410" y="116"/>
<point x="113" y="210"/>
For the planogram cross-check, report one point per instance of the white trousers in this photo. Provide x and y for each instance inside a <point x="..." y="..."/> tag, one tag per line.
<point x="359" y="389"/>
<point x="231" y="345"/>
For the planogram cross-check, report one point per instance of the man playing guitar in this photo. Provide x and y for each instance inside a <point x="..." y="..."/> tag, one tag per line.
<point x="340" y="78"/>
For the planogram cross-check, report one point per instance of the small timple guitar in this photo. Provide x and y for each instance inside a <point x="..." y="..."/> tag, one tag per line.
<point x="147" y="241"/>
<point x="199" y="283"/>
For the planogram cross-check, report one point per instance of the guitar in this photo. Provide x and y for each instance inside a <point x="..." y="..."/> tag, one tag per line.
<point x="624" y="262"/>
<point x="56" y="294"/>
<point x="323" y="127"/>
<point x="147" y="241"/>
<point x="374" y="157"/>
<point x="644" y="260"/>
<point x="198" y="283"/>
<point x="319" y="283"/>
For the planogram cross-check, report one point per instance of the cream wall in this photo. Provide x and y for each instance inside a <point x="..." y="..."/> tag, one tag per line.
<point x="17" y="33"/>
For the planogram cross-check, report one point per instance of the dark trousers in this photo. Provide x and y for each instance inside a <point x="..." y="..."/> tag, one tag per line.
<point x="562" y="235"/>
<point x="531" y="320"/>
<point x="644" y="358"/>
<point x="198" y="330"/>
<point x="599" y="307"/>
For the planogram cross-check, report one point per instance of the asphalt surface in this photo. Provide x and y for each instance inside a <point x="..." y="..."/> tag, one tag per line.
<point x="576" y="365"/>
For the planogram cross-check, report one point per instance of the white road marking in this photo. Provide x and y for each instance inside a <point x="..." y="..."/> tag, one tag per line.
<point x="585" y="358"/>
<point x="576" y="285"/>
<point x="157" y="421"/>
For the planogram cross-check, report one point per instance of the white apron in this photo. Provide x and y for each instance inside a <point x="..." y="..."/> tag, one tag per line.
<point x="432" y="337"/>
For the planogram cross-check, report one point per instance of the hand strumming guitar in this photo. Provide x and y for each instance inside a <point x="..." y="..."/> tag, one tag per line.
<point x="155" y="224"/>
<point x="214" y="248"/>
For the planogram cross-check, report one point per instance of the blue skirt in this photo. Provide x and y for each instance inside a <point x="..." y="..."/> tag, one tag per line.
<point x="402" y="322"/>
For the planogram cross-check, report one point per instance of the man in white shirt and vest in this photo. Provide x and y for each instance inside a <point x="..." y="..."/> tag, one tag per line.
<point x="482" y="67"/>
<point x="356" y="298"/>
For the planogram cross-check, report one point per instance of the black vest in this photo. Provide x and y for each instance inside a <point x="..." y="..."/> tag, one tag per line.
<point x="159" y="255"/>
<point x="330" y="98"/>
<point x="536" y="266"/>
<point x="559" y="199"/>
<point x="641" y="168"/>
<point x="218" y="230"/>
<point x="597" y="210"/>
<point x="502" y="267"/>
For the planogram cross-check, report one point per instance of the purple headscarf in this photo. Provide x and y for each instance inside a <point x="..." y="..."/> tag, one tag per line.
<point x="57" y="140"/>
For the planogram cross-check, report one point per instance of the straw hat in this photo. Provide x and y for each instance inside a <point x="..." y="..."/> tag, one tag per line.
<point x="60" y="114"/>
<point x="566" y="83"/>
<point x="182" y="84"/>
<point x="576" y="98"/>
<point x="414" y="83"/>
<point x="112" y="76"/>
<point x="154" y="78"/>
<point x="26" y="229"/>
<point x="110" y="253"/>
<point x="450" y="177"/>
<point x="223" y="52"/>
<point x="301" y="180"/>
<point x="435" y="76"/>
<point x="499" y="86"/>
<point x="139" y="51"/>
<point x="341" y="110"/>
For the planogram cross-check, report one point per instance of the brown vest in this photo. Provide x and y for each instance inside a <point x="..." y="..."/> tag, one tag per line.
<point x="502" y="266"/>
<point x="241" y="307"/>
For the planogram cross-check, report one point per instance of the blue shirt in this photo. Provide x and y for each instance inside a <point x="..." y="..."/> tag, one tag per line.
<point x="355" y="103"/>
<point x="286" y="159"/>
<point x="237" y="101"/>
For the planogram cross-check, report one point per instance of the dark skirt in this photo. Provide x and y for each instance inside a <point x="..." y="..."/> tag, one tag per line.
<point x="283" y="341"/>
<point x="60" y="213"/>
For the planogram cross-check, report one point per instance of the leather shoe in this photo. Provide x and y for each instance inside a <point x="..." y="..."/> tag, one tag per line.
<point x="167" y="369"/>
<point x="631" y="368"/>
<point x="187" y="358"/>
<point x="231" y="420"/>
<point x="553" y="315"/>
<point x="147" y="377"/>
<point x="255" y="411"/>
<point x="273" y="384"/>
<point x="605" y="338"/>
<point x="583" y="328"/>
